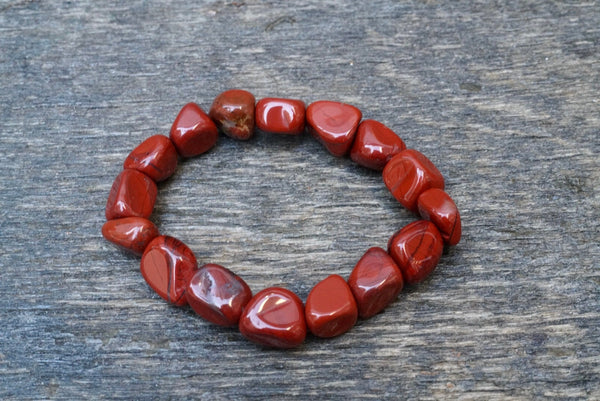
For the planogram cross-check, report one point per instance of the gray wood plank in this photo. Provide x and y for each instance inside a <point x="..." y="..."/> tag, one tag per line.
<point x="502" y="96"/>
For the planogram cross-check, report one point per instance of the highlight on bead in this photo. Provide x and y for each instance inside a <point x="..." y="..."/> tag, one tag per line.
<point x="276" y="317"/>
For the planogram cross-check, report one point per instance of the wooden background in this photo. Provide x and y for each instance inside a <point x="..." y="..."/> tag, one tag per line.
<point x="504" y="97"/>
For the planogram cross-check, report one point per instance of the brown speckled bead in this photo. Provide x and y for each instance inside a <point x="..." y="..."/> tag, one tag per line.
<point x="233" y="113"/>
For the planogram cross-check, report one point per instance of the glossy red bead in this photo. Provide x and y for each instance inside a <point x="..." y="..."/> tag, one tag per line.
<point x="275" y="318"/>
<point x="375" y="282"/>
<point x="416" y="249"/>
<point x="156" y="157"/>
<point x="167" y="266"/>
<point x="330" y="308"/>
<point x="408" y="174"/>
<point x="333" y="124"/>
<point x="375" y="144"/>
<point x="217" y="294"/>
<point x="132" y="194"/>
<point x="280" y="116"/>
<point x="130" y="233"/>
<point x="438" y="207"/>
<point x="193" y="132"/>
<point x="233" y="113"/>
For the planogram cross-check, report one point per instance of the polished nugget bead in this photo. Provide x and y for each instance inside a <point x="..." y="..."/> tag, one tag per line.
<point x="280" y="116"/>
<point x="438" y="207"/>
<point x="233" y="113"/>
<point x="375" y="282"/>
<point x="333" y="124"/>
<point x="375" y="144"/>
<point x="167" y="266"/>
<point x="330" y="307"/>
<point x="408" y="174"/>
<point x="132" y="194"/>
<point x="193" y="132"/>
<point x="156" y="157"/>
<point x="130" y="233"/>
<point x="274" y="318"/>
<point x="416" y="249"/>
<point x="217" y="294"/>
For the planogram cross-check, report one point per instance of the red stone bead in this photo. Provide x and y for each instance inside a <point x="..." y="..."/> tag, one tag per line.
<point x="375" y="282"/>
<point x="330" y="308"/>
<point x="416" y="249"/>
<point x="375" y="144"/>
<point x="408" y="174"/>
<point x="274" y="317"/>
<point x="132" y="194"/>
<point x="438" y="207"/>
<point x="167" y="266"/>
<point x="217" y="294"/>
<point x="233" y="113"/>
<point x="193" y="132"/>
<point x="156" y="157"/>
<point x="333" y="124"/>
<point x="280" y="116"/>
<point x="130" y="233"/>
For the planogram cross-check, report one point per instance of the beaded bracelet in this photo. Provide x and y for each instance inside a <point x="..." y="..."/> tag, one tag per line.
<point x="276" y="317"/>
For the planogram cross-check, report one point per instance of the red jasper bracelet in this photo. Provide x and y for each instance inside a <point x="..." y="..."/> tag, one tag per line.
<point x="275" y="316"/>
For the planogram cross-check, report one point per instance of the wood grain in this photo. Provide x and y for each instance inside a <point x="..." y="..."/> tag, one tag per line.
<point x="502" y="96"/>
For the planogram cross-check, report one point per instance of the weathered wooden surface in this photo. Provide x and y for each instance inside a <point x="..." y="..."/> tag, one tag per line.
<point x="504" y="98"/>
